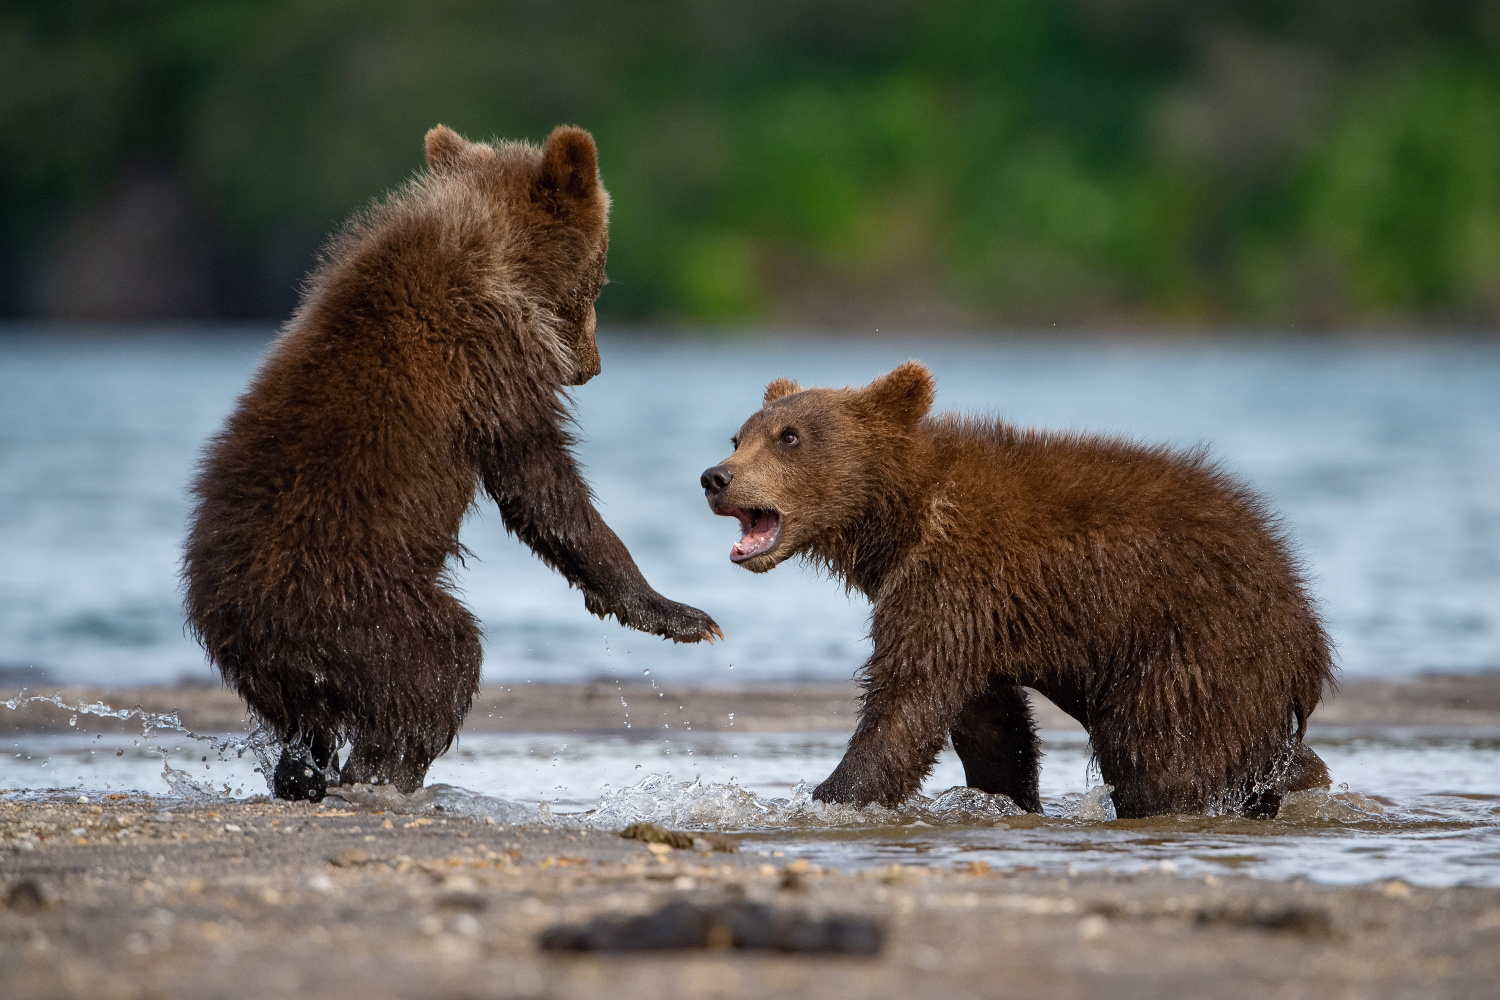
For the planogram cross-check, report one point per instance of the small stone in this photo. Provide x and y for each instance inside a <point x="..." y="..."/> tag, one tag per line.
<point x="350" y="857"/>
<point x="28" y="896"/>
<point x="741" y="925"/>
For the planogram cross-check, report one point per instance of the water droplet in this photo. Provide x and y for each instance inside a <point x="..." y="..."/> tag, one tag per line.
<point x="73" y="721"/>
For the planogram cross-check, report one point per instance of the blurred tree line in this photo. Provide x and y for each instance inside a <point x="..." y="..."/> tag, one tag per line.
<point x="907" y="162"/>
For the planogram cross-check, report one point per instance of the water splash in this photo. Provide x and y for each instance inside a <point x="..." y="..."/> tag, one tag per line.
<point x="1320" y="806"/>
<point x="446" y="799"/>
<point x="696" y="805"/>
<point x="1097" y="805"/>
<point x="657" y="798"/>
<point x="150" y="721"/>
<point x="260" y="743"/>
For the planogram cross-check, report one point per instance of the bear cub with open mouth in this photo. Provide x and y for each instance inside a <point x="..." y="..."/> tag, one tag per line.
<point x="1141" y="589"/>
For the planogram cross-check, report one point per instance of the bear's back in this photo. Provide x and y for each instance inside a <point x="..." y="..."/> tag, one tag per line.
<point x="1018" y="488"/>
<point x="362" y="411"/>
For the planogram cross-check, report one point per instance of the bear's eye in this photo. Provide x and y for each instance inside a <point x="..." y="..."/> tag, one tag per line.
<point x="735" y="441"/>
<point x="789" y="437"/>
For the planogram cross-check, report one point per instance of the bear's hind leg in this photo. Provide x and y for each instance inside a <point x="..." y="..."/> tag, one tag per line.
<point x="388" y="758"/>
<point x="412" y="719"/>
<point x="995" y="738"/>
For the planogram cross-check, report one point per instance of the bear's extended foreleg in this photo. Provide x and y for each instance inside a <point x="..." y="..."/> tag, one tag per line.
<point x="546" y="504"/>
<point x="996" y="740"/>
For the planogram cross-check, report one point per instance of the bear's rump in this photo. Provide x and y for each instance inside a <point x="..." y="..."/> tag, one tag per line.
<point x="381" y="663"/>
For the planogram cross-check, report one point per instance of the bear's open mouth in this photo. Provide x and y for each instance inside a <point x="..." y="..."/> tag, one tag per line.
<point x="761" y="530"/>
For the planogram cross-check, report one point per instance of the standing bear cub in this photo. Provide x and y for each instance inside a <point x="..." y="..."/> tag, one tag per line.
<point x="427" y="356"/>
<point x="1142" y="590"/>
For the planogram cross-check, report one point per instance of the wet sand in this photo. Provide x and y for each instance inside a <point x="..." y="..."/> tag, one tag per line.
<point x="1430" y="700"/>
<point x="116" y="898"/>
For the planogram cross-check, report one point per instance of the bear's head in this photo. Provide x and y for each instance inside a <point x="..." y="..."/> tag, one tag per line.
<point x="812" y="462"/>
<point x="555" y="215"/>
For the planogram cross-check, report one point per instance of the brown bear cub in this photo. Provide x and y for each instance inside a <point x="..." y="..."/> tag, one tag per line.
<point x="426" y="356"/>
<point x="1141" y="589"/>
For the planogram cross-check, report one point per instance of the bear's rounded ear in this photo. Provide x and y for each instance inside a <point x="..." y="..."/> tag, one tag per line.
<point x="570" y="163"/>
<point x="778" y="388"/>
<point x="905" y="393"/>
<point x="445" y="148"/>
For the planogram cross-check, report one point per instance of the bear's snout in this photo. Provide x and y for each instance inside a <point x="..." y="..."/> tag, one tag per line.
<point x="715" y="479"/>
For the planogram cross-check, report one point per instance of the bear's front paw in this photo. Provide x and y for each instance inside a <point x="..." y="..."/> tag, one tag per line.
<point x="659" y="616"/>
<point x="682" y="623"/>
<point x="841" y="789"/>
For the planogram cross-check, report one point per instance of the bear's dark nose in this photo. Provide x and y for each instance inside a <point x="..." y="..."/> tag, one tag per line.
<point x="716" y="479"/>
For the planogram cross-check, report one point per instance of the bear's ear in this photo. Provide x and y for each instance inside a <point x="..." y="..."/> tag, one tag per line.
<point x="905" y="394"/>
<point x="778" y="388"/>
<point x="570" y="163"/>
<point x="445" y="148"/>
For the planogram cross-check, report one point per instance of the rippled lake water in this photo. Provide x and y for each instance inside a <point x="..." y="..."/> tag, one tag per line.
<point x="1384" y="459"/>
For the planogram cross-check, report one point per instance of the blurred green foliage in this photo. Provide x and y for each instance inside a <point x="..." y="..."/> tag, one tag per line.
<point x="1018" y="161"/>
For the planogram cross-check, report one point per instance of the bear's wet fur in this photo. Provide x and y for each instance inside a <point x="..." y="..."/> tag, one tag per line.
<point x="426" y="357"/>
<point x="1141" y="589"/>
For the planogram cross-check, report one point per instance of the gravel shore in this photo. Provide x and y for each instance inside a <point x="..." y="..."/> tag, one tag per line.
<point x="116" y="898"/>
<point x="137" y="897"/>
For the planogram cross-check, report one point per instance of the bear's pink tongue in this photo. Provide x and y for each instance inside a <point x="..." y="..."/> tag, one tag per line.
<point x="761" y="528"/>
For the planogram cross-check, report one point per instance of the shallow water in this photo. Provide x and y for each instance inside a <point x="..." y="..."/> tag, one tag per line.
<point x="1384" y="459"/>
<point x="1424" y="806"/>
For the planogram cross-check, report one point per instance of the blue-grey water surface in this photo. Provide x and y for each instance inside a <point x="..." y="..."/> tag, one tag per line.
<point x="1383" y="457"/>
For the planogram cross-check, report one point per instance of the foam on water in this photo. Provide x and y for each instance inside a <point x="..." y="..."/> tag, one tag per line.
<point x="695" y="805"/>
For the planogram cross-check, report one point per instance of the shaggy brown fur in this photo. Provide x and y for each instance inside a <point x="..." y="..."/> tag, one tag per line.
<point x="427" y="355"/>
<point x="1141" y="589"/>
